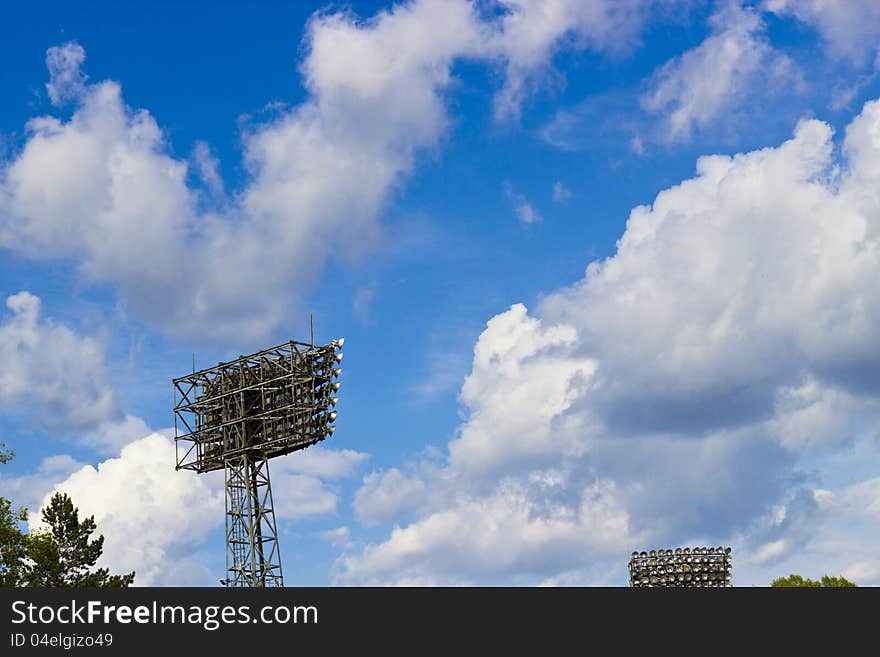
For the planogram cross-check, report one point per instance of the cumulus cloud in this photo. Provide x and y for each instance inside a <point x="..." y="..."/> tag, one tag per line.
<point x="153" y="518"/>
<point x="385" y="496"/>
<point x="111" y="436"/>
<point x="478" y="538"/>
<point x="55" y="375"/>
<point x="695" y="88"/>
<point x="305" y="485"/>
<point x="103" y="190"/>
<point x="694" y="386"/>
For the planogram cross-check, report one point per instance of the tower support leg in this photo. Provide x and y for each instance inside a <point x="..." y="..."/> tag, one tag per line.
<point x="253" y="557"/>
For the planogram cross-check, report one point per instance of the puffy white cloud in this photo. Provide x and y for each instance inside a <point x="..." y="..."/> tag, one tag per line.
<point x="153" y="518"/>
<point x="697" y="87"/>
<point x="111" y="436"/>
<point x="55" y="375"/>
<point x="511" y="530"/>
<point x="103" y="190"/>
<point x="819" y="532"/>
<point x="850" y="28"/>
<point x="524" y="378"/>
<point x="385" y="496"/>
<point x="699" y="383"/>
<point x="303" y="484"/>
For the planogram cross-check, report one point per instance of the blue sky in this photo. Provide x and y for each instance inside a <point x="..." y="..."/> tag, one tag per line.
<point x="432" y="181"/>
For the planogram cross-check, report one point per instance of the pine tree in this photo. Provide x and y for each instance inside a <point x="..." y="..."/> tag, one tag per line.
<point x="63" y="554"/>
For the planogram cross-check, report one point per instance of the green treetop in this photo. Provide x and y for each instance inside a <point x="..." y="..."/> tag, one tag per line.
<point x="63" y="554"/>
<point x="798" y="581"/>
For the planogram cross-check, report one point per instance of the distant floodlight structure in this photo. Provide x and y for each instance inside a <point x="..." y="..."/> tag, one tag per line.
<point x="689" y="567"/>
<point x="238" y="415"/>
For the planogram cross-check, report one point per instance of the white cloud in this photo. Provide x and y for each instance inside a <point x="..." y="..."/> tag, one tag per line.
<point x="385" y="496"/>
<point x="850" y="28"/>
<point x="524" y="377"/>
<point x="303" y="484"/>
<point x="66" y="79"/>
<point x="153" y="518"/>
<point x="478" y="538"/>
<point x="523" y="209"/>
<point x="111" y="436"/>
<point x="701" y="382"/>
<point x="103" y="190"/>
<point x="208" y="167"/>
<point x="339" y="538"/>
<point x="533" y="31"/>
<point x="695" y="88"/>
<point x="55" y="375"/>
<point x="28" y="490"/>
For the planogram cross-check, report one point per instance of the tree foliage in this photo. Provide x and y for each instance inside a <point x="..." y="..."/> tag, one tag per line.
<point x="13" y="543"/>
<point x="12" y="540"/>
<point x="798" y="581"/>
<point x="62" y="554"/>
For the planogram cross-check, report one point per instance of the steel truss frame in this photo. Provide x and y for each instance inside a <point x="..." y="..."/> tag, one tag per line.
<point x="238" y="415"/>
<point x="253" y="558"/>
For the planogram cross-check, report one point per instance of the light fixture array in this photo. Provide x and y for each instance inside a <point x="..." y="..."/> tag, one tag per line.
<point x="686" y="567"/>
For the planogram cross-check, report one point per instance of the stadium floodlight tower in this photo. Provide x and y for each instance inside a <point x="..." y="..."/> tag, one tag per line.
<point x="238" y="415"/>
<point x="686" y="567"/>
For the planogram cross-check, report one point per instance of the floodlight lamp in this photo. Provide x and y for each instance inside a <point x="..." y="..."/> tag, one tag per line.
<point x="332" y="416"/>
<point x="338" y="357"/>
<point x="335" y="386"/>
<point x="330" y="430"/>
<point x="334" y="401"/>
<point x="337" y="372"/>
<point x="338" y="342"/>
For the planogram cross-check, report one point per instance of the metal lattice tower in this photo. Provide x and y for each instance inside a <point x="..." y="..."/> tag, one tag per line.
<point x="238" y="415"/>
<point x="252" y="554"/>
